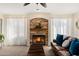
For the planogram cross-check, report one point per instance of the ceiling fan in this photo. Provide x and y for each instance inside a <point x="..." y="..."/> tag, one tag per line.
<point x="42" y="4"/>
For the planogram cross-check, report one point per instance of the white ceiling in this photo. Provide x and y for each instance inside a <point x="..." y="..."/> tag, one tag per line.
<point x="54" y="8"/>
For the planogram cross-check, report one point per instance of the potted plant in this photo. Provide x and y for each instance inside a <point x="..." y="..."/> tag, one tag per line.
<point x="1" y="37"/>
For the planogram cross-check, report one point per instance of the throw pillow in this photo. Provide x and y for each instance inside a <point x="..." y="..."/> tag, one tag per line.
<point x="67" y="42"/>
<point x="59" y="39"/>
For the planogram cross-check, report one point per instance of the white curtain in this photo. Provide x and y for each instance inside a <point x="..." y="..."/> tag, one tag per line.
<point x="15" y="31"/>
<point x="0" y="25"/>
<point x="61" y="26"/>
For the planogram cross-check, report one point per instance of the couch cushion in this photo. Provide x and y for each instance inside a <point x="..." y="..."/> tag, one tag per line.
<point x="59" y="39"/>
<point x="62" y="51"/>
<point x="65" y="53"/>
<point x="67" y="42"/>
<point x="74" y="47"/>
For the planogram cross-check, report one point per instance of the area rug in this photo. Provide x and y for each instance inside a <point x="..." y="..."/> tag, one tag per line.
<point x="36" y="50"/>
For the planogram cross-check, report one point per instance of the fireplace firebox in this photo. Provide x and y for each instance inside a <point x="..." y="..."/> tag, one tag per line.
<point x="38" y="39"/>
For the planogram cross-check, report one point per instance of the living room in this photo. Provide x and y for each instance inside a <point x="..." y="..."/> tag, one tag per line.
<point x="37" y="25"/>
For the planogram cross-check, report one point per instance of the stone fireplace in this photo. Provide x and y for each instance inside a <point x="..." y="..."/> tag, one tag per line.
<point x="39" y="31"/>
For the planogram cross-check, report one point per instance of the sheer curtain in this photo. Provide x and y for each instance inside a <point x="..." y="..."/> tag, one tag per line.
<point x="61" y="26"/>
<point x="0" y="25"/>
<point x="16" y="31"/>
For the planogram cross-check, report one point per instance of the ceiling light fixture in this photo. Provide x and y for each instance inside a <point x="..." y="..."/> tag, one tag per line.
<point x="42" y="4"/>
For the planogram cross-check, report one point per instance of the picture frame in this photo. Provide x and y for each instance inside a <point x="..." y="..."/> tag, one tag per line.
<point x="77" y="24"/>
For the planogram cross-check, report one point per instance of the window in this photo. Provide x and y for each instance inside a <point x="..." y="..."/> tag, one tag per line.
<point x="16" y="31"/>
<point x="60" y="26"/>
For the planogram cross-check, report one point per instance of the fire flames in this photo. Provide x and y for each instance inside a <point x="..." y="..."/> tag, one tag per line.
<point x="38" y="39"/>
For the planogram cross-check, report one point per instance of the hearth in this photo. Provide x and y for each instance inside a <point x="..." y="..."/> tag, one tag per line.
<point x="38" y="39"/>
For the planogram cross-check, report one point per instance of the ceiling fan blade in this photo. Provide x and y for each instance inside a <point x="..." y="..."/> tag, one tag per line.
<point x="25" y="4"/>
<point x="44" y="5"/>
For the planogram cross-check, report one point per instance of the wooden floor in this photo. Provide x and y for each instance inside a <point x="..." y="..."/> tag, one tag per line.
<point x="36" y="50"/>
